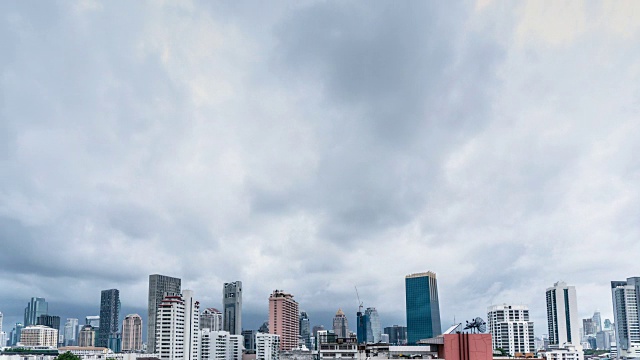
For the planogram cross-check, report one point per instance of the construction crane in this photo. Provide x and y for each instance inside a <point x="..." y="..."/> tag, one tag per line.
<point x="359" y="302"/>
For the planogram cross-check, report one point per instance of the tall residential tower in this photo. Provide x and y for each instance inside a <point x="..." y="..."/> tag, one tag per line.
<point x="510" y="328"/>
<point x="159" y="285"/>
<point x="562" y="315"/>
<point x="626" y="314"/>
<point x="283" y="319"/>
<point x="109" y="316"/>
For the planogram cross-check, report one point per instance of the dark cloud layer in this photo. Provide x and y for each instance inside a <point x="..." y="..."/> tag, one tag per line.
<point x="314" y="147"/>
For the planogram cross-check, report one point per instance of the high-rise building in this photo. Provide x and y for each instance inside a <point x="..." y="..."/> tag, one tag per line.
<point x="232" y="307"/>
<point x="177" y="333"/>
<point x="315" y="329"/>
<point x="94" y="321"/>
<point x="109" y="316"/>
<point x="211" y="319"/>
<point x="3" y="339"/>
<point x="220" y="345"/>
<point x="15" y="334"/>
<point x="249" y="339"/>
<point x="70" y="331"/>
<point x="397" y="334"/>
<point x="36" y="307"/>
<point x="422" y="306"/>
<point x="267" y="346"/>
<point x="264" y="328"/>
<point x="51" y="321"/>
<point x="1" y="320"/>
<point x="39" y="335"/>
<point x="132" y="333"/>
<point x="374" y="330"/>
<point x="340" y="324"/>
<point x="159" y="286"/>
<point x="597" y="320"/>
<point x="305" y="329"/>
<point x="170" y="329"/>
<point x="283" y="319"/>
<point x="626" y="316"/>
<point x="191" y="326"/>
<point x="588" y="327"/>
<point x="361" y="326"/>
<point x="87" y="336"/>
<point x="562" y="315"/>
<point x="511" y="328"/>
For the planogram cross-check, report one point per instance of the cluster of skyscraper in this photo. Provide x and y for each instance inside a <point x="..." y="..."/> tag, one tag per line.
<point x="177" y="328"/>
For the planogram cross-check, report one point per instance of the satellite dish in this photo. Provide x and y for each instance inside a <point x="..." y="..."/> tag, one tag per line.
<point x="482" y="326"/>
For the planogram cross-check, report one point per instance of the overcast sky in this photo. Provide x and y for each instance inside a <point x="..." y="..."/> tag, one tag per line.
<point x="317" y="146"/>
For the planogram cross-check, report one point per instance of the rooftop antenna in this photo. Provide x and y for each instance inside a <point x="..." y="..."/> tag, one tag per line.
<point x="359" y="302"/>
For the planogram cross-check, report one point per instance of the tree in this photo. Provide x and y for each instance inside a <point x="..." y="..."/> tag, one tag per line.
<point x="67" y="356"/>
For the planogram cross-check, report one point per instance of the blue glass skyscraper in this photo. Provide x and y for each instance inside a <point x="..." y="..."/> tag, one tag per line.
<point x="423" y="308"/>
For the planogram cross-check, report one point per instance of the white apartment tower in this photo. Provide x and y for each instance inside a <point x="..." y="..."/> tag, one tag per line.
<point x="191" y="325"/>
<point x="170" y="328"/>
<point x="626" y="305"/>
<point x="177" y="329"/>
<point x="220" y="345"/>
<point x="267" y="346"/>
<point x="211" y="319"/>
<point x="562" y="315"/>
<point x="510" y="328"/>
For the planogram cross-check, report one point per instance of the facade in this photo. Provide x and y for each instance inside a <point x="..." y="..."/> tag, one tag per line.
<point x="422" y="306"/>
<point x="70" y="332"/>
<point x="191" y="326"/>
<point x="588" y="327"/>
<point x="305" y="329"/>
<point x="568" y="352"/>
<point x="39" y="335"/>
<point x="177" y="332"/>
<point x="159" y="285"/>
<point x="220" y="345"/>
<point x="330" y="346"/>
<point x="267" y="346"/>
<point x="211" y="319"/>
<point x="465" y="347"/>
<point x="562" y="315"/>
<point x="249" y="339"/>
<point x="109" y="316"/>
<point x="94" y="321"/>
<point x="87" y="336"/>
<point x="283" y="319"/>
<point x="340" y="324"/>
<point x="14" y="337"/>
<point x="170" y="329"/>
<point x="232" y="307"/>
<point x="361" y="326"/>
<point x="132" y="333"/>
<point x="36" y="307"/>
<point x="372" y="324"/>
<point x="511" y="329"/>
<point x="49" y="320"/>
<point x="626" y="301"/>
<point x="397" y="334"/>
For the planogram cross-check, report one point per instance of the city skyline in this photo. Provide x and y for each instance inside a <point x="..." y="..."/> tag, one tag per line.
<point x="296" y="146"/>
<point x="327" y="317"/>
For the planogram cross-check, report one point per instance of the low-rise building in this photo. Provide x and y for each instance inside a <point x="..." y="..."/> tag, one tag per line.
<point x="39" y="335"/>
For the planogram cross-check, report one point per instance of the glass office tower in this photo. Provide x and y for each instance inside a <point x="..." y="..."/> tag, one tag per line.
<point x="423" y="309"/>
